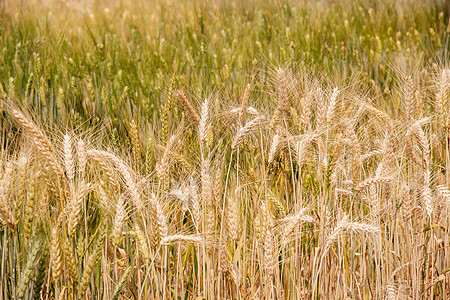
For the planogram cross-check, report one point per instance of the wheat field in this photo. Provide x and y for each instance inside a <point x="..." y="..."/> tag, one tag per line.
<point x="224" y="149"/>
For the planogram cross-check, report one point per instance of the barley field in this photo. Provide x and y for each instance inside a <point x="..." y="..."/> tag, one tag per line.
<point x="261" y="149"/>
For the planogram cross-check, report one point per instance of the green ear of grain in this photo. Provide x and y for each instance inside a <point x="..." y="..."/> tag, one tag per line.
<point x="121" y="283"/>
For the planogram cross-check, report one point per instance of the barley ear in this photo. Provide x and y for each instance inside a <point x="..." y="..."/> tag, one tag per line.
<point x="189" y="109"/>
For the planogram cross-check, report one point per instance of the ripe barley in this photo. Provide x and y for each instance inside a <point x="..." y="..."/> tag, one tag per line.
<point x="333" y="106"/>
<point x="40" y="140"/>
<point x="244" y="103"/>
<point x="135" y="142"/>
<point x="245" y="131"/>
<point x="75" y="207"/>
<point x="82" y="157"/>
<point x="5" y="213"/>
<point x="87" y="272"/>
<point x="274" y="148"/>
<point x="29" y="268"/>
<point x="119" y="219"/>
<point x="69" y="260"/>
<point x="292" y="222"/>
<point x="409" y="98"/>
<point x="282" y="91"/>
<point x="121" y="283"/>
<point x="178" y="238"/>
<point x="55" y="253"/>
<point x="161" y="218"/>
<point x="96" y="156"/>
<point x="69" y="162"/>
<point x="203" y="127"/>
<point x="374" y="180"/>
<point x="189" y="109"/>
<point x="162" y="166"/>
<point x="233" y="217"/>
<point x="126" y="171"/>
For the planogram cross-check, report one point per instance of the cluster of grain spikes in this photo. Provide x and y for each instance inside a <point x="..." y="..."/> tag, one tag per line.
<point x="321" y="192"/>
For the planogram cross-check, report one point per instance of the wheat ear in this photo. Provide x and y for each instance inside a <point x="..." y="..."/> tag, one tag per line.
<point x="75" y="209"/>
<point x="5" y="214"/>
<point x="203" y="127"/>
<point x="177" y="238"/>
<point x="363" y="184"/>
<point x="409" y="97"/>
<point x="274" y="147"/>
<point x="244" y="131"/>
<point x="292" y="222"/>
<point x="69" y="162"/>
<point x="82" y="156"/>
<point x="55" y="253"/>
<point x="189" y="109"/>
<point x="282" y="91"/>
<point x="127" y="173"/>
<point x="332" y="107"/>
<point x="135" y="142"/>
<point x="40" y="140"/>
<point x="27" y="272"/>
<point x="161" y="168"/>
<point x="121" y="283"/>
<point x="119" y="220"/>
<point x="244" y="103"/>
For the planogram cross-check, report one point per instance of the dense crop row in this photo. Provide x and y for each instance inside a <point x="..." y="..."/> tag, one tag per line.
<point x="184" y="150"/>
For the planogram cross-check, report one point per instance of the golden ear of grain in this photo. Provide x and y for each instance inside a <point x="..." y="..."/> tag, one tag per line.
<point x="69" y="162"/>
<point x="206" y="183"/>
<point x="87" y="272"/>
<point x="269" y="253"/>
<point x="203" y="127"/>
<point x="244" y="131"/>
<point x="75" y="207"/>
<point x="40" y="140"/>
<point x="119" y="220"/>
<point x="363" y="184"/>
<point x="162" y="166"/>
<point x="161" y="217"/>
<point x="179" y="238"/>
<point x="274" y="148"/>
<point x="233" y="216"/>
<point x="29" y="210"/>
<point x="244" y="103"/>
<point x="282" y="91"/>
<point x="135" y="141"/>
<point x="218" y="183"/>
<point x="55" y="254"/>
<point x="333" y="105"/>
<point x="110" y="176"/>
<point x="189" y="109"/>
<point x="82" y="157"/>
<point x="409" y="98"/>
<point x="126" y="171"/>
<point x="292" y="222"/>
<point x="69" y="260"/>
<point x="142" y="243"/>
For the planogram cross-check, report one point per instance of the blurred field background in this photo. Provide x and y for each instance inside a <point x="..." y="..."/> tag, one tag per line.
<point x="224" y="149"/>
